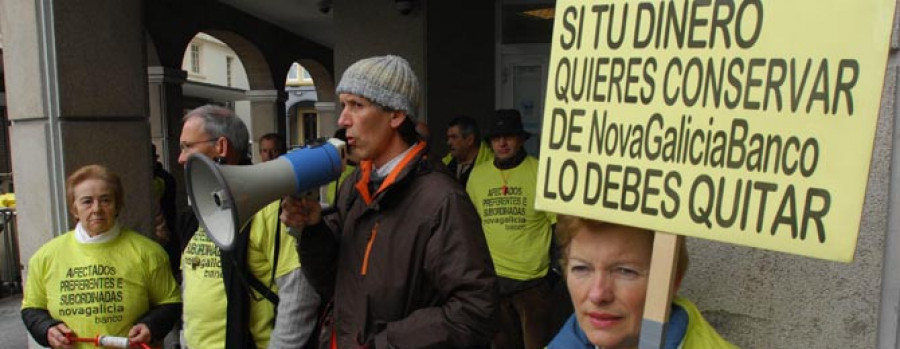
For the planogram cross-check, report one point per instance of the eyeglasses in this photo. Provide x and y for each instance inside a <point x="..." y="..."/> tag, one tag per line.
<point x="188" y="145"/>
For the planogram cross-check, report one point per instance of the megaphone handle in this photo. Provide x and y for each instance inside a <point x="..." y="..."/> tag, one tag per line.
<point x="312" y="194"/>
<point x="300" y="212"/>
<point x="329" y="210"/>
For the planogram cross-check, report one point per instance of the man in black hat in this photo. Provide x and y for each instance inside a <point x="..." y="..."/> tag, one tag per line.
<point x="518" y="236"/>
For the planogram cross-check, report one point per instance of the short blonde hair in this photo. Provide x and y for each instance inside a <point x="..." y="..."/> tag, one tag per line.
<point x="569" y="226"/>
<point x="94" y="172"/>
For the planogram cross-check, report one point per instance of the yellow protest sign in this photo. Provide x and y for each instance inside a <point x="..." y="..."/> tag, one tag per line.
<point x="749" y="122"/>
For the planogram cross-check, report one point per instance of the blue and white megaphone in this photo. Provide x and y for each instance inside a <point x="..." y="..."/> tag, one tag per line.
<point x="225" y="197"/>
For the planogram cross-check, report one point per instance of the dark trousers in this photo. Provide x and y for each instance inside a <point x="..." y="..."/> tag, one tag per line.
<point x="525" y="317"/>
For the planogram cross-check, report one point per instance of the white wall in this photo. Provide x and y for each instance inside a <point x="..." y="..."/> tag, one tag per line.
<point x="213" y="70"/>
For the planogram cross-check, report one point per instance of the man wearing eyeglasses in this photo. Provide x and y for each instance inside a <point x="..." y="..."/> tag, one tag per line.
<point x="220" y="309"/>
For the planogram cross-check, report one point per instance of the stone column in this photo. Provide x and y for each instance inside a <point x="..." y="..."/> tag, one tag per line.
<point x="264" y="116"/>
<point x="328" y="118"/>
<point x="166" y="111"/>
<point x="78" y="95"/>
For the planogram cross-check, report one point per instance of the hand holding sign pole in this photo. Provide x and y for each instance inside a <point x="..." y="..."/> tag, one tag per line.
<point x="723" y="120"/>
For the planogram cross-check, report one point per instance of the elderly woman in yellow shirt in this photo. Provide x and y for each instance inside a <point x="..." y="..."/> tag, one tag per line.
<point x="100" y="278"/>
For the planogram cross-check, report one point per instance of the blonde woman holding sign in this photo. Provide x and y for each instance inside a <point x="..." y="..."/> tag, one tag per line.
<point x="607" y="270"/>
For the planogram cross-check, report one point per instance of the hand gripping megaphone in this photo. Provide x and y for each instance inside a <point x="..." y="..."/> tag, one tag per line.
<point x="225" y="197"/>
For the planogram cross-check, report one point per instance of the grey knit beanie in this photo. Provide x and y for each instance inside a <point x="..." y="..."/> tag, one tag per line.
<point x="386" y="80"/>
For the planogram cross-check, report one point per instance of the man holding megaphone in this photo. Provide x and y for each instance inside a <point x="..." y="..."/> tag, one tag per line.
<point x="232" y="292"/>
<point x="403" y="256"/>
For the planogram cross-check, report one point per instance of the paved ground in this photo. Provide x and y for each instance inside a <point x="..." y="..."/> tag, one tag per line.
<point x="12" y="331"/>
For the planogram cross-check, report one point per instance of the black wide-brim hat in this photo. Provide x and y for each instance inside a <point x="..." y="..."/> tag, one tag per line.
<point x="507" y="122"/>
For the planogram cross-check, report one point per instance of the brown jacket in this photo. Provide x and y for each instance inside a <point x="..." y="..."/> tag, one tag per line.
<point x="409" y="267"/>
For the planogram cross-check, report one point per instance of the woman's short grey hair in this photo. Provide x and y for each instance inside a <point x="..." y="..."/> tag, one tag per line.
<point x="218" y="122"/>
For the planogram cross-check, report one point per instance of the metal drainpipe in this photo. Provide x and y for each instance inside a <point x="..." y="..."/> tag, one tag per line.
<point x="888" y="329"/>
<point x="50" y="76"/>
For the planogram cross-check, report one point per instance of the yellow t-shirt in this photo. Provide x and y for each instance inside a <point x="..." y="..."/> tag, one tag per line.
<point x="159" y="187"/>
<point x="332" y="187"/>
<point x="699" y="334"/>
<point x="206" y="303"/>
<point x="102" y="288"/>
<point x="518" y="236"/>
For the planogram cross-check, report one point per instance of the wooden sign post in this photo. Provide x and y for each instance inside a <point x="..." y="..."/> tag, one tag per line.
<point x="660" y="289"/>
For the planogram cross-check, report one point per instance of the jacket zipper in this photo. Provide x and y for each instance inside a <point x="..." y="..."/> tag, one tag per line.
<point x="365" y="264"/>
